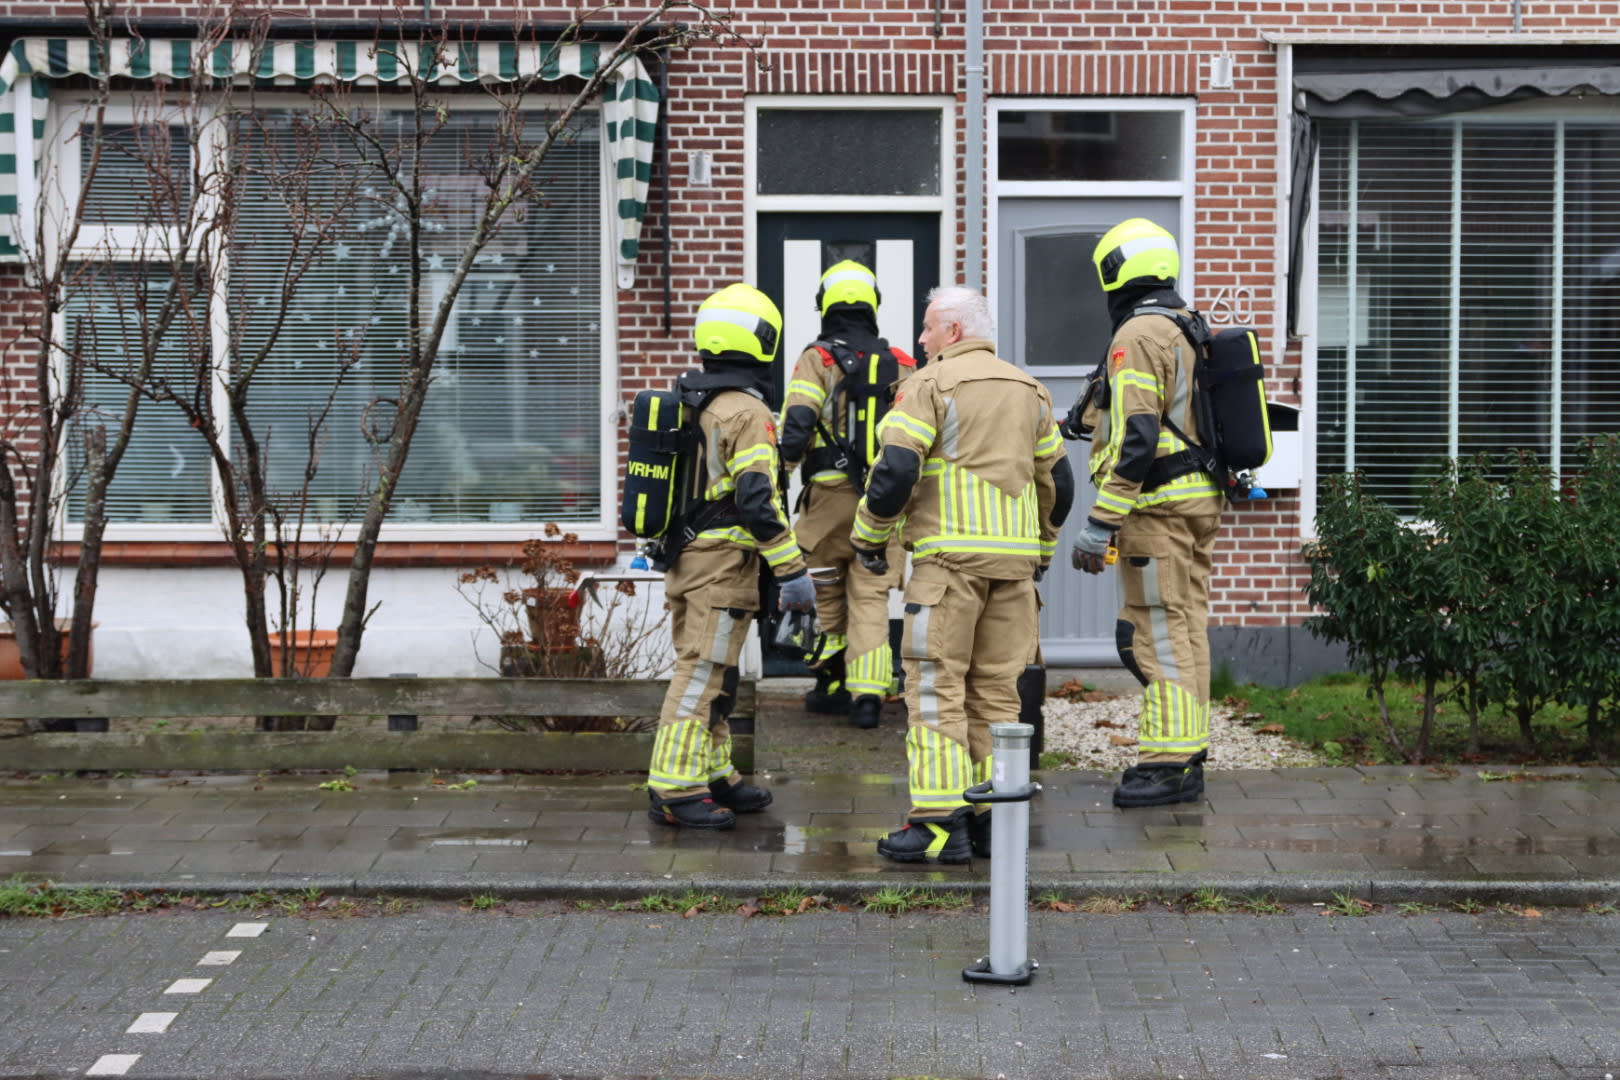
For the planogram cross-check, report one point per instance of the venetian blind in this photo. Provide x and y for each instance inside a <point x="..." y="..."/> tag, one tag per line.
<point x="1469" y="269"/>
<point x="512" y="428"/>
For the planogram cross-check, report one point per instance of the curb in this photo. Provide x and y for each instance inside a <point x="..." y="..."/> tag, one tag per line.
<point x="1293" y="890"/>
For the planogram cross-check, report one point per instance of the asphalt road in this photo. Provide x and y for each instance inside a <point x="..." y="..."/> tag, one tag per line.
<point x="450" y="993"/>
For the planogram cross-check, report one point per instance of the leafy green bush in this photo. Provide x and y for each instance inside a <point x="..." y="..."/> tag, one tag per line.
<point x="1505" y="592"/>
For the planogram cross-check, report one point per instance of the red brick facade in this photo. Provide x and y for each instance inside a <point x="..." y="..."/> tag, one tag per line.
<point x="1033" y="48"/>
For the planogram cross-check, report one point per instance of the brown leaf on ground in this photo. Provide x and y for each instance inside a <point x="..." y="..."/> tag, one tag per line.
<point x="1271" y="729"/>
<point x="1105" y="724"/>
<point x="747" y="910"/>
<point x="1530" y="913"/>
<point x="1062" y="905"/>
<point x="1121" y="740"/>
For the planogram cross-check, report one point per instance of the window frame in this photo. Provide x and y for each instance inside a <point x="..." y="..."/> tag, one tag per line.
<point x="1553" y="112"/>
<point x="1184" y="191"/>
<point x="61" y="148"/>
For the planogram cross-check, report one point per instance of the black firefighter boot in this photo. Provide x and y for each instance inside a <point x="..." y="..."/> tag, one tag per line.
<point x="1162" y="783"/>
<point x="867" y="711"/>
<point x="739" y="798"/>
<point x="942" y="840"/>
<point x="979" y="833"/>
<point x="829" y="695"/>
<point x="690" y="812"/>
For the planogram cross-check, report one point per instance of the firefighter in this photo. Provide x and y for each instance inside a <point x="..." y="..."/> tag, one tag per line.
<point x="1158" y="508"/>
<point x="974" y="467"/>
<point x="713" y="586"/>
<point x="840" y="390"/>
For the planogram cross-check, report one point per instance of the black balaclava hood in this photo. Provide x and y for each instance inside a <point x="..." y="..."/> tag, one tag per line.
<point x="745" y="372"/>
<point x="1155" y="292"/>
<point x="854" y="324"/>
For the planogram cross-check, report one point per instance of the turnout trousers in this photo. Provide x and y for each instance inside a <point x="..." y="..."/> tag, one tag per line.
<point x="1162" y="632"/>
<point x="713" y="594"/>
<point x="966" y="641"/>
<point x="852" y="604"/>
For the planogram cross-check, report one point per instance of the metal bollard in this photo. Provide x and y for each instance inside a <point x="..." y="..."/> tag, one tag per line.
<point x="1008" y="963"/>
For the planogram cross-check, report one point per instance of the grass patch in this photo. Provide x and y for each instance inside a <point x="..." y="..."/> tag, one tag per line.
<point x="1337" y="717"/>
<point x="892" y="900"/>
<point x="1111" y="905"/>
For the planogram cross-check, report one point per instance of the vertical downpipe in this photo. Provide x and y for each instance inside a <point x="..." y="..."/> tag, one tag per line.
<point x="973" y="152"/>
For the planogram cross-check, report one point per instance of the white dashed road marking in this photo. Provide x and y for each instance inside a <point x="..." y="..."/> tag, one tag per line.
<point x="151" y="1024"/>
<point x="188" y="986"/>
<point x="157" y="1023"/>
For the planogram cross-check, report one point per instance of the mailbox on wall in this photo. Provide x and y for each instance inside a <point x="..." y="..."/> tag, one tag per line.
<point x="1285" y="470"/>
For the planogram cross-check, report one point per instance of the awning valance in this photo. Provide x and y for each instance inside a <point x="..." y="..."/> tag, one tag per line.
<point x="1365" y="83"/>
<point x="629" y="103"/>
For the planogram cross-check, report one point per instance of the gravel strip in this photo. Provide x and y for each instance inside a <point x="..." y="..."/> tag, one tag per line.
<point x="1088" y="730"/>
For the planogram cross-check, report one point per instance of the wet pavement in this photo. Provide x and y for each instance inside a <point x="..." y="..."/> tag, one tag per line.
<point x="1545" y="836"/>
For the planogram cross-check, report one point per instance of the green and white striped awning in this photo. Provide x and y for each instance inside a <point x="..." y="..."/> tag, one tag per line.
<point x="629" y="104"/>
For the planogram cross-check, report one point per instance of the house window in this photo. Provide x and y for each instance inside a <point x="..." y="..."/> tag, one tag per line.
<point x="830" y="152"/>
<point x="512" y="432"/>
<point x="1469" y="292"/>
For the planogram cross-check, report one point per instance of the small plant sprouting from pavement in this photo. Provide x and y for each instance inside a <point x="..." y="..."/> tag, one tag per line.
<point x="1260" y="905"/>
<point x="340" y="784"/>
<point x="1052" y="900"/>
<point x="890" y="900"/>
<point x="1601" y="907"/>
<point x="1415" y="907"/>
<point x="483" y="901"/>
<point x="686" y="905"/>
<point x="1351" y="906"/>
<point x="1207" y="899"/>
<point x="1111" y="905"/>
<point x="1468" y="906"/>
<point x="786" y="902"/>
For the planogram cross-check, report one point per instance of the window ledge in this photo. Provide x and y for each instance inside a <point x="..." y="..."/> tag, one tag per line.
<point x="210" y="553"/>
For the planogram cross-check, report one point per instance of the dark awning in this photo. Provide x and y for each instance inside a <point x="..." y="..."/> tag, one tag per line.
<point x="1369" y="81"/>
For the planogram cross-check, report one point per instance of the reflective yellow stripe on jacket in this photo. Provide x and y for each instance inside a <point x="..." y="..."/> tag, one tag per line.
<point x="978" y="517"/>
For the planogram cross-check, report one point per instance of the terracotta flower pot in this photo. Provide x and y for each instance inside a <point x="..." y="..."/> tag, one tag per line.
<point x="312" y="653"/>
<point x="11" y="656"/>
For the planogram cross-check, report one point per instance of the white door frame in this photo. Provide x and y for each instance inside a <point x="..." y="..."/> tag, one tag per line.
<point x="944" y="203"/>
<point x="1182" y="189"/>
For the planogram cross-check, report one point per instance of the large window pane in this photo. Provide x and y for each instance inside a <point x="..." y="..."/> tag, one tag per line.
<point x="1465" y="294"/>
<point x="1088" y="145"/>
<point x="316" y="294"/>
<point x="512" y="427"/>
<point x="126" y="326"/>
<point x="848" y="152"/>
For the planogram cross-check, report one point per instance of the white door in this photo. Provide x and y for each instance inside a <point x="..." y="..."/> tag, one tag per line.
<point x="1053" y="321"/>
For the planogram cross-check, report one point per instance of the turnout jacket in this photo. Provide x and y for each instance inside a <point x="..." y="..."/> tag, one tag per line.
<point x="1150" y="376"/>
<point x="739" y="459"/>
<point x="966" y="471"/>
<point x="814" y="386"/>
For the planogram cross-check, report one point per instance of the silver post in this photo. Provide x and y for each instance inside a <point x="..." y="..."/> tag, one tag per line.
<point x="1009" y="786"/>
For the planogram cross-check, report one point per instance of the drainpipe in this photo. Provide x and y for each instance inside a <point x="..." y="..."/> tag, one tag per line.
<point x="973" y="152"/>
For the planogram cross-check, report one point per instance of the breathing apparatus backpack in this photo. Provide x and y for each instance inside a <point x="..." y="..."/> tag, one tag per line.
<point x="863" y="393"/>
<point x="1229" y="402"/>
<point x="664" y="475"/>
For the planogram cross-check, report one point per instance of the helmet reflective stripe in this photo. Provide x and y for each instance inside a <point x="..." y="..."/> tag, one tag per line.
<point x="847" y="282"/>
<point x="1134" y="249"/>
<point x="835" y="275"/>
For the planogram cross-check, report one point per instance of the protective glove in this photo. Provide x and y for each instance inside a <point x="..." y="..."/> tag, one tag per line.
<point x="875" y="560"/>
<point x="799" y="594"/>
<point x="1040" y="572"/>
<point x="1091" y="547"/>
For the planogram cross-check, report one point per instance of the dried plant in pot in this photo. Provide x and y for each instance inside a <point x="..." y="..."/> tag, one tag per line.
<point x="550" y="621"/>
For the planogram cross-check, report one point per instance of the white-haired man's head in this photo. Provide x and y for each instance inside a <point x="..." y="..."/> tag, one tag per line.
<point x="955" y="313"/>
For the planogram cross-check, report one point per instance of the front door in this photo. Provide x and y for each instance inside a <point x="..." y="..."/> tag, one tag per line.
<point x="794" y="250"/>
<point x="1054" y="323"/>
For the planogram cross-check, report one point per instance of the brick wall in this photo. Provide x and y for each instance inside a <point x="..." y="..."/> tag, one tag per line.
<point x="1033" y="48"/>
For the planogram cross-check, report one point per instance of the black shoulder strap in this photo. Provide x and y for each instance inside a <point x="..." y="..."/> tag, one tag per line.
<point x="1196" y="331"/>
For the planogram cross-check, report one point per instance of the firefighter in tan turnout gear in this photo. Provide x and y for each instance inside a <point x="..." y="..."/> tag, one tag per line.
<point x="713" y="585"/>
<point x="838" y="396"/>
<point x="973" y="465"/>
<point x="1157" y="507"/>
